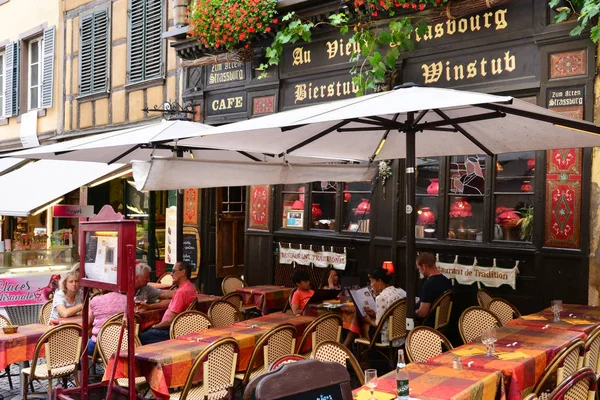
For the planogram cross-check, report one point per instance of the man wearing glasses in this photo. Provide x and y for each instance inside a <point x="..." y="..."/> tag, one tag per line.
<point x="183" y="297"/>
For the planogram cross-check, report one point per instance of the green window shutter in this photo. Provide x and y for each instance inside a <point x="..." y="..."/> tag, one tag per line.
<point x="145" y="59"/>
<point x="11" y="73"/>
<point x="93" y="67"/>
<point x="100" y="46"/>
<point x="48" y="67"/>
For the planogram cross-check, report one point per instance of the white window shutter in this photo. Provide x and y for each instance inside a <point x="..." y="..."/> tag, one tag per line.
<point x="48" y="67"/>
<point x="11" y="73"/>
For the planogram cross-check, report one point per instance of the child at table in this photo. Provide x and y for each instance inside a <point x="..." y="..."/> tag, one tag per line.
<point x="303" y="292"/>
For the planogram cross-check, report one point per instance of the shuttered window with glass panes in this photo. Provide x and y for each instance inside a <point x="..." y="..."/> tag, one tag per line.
<point x="94" y="53"/>
<point x="145" y="58"/>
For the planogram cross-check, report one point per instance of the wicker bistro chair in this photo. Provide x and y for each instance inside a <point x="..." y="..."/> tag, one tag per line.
<point x="62" y="346"/>
<point x="273" y="345"/>
<point x="218" y="362"/>
<point x="440" y="311"/>
<point x="592" y="351"/>
<point x="423" y="343"/>
<point x="564" y="364"/>
<point x="45" y="312"/>
<point x="223" y="313"/>
<point x="531" y="397"/>
<point x="484" y="298"/>
<point x="474" y="321"/>
<point x="6" y="322"/>
<point x="285" y="360"/>
<point x="396" y="318"/>
<point x="189" y="322"/>
<point x="238" y="301"/>
<point x="504" y="310"/>
<point x="192" y="305"/>
<point x="165" y="278"/>
<point x="231" y="283"/>
<point x="288" y="304"/>
<point x="327" y="327"/>
<point x="582" y="385"/>
<point x="337" y="352"/>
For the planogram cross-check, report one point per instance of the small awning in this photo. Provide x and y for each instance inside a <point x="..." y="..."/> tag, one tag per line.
<point x="40" y="183"/>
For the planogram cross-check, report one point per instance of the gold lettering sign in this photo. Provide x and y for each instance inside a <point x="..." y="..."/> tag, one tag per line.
<point x="337" y="89"/>
<point x="227" y="104"/>
<point x="226" y="72"/>
<point x="446" y="71"/>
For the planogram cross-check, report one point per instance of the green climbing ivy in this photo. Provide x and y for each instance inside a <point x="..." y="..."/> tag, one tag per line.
<point x="587" y="12"/>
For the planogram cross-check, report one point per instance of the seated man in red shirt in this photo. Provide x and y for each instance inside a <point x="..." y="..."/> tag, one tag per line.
<point x="183" y="297"/>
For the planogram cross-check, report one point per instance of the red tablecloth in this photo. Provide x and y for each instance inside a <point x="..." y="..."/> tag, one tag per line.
<point x="265" y="297"/>
<point x="19" y="347"/>
<point x="346" y="311"/>
<point x="205" y="301"/>
<point x="524" y="354"/>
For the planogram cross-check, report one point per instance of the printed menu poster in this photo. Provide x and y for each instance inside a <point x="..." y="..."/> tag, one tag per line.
<point x="101" y="258"/>
<point x="171" y="235"/>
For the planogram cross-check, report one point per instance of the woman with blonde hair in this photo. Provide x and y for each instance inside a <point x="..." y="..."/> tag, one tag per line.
<point x="68" y="301"/>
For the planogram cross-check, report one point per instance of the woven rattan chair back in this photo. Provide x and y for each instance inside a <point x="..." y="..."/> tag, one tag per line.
<point x="273" y="345"/>
<point x="565" y="363"/>
<point x="335" y="352"/>
<point x="327" y="327"/>
<point x="423" y="343"/>
<point x="504" y="310"/>
<point x="440" y="311"/>
<point x="218" y="362"/>
<point x="236" y="299"/>
<point x="231" y="283"/>
<point x="223" y="313"/>
<point x="4" y="321"/>
<point x="396" y="317"/>
<point x="193" y="304"/>
<point x="45" y="312"/>
<point x="108" y="340"/>
<point x="592" y="351"/>
<point x="474" y="321"/>
<point x="288" y="304"/>
<point x="165" y="279"/>
<point x="532" y="396"/>
<point x="581" y="385"/>
<point x="62" y="346"/>
<point x="484" y="298"/>
<point x="285" y="360"/>
<point x="189" y="322"/>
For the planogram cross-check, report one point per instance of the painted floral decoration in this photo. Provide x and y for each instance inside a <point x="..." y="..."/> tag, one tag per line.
<point x="227" y="24"/>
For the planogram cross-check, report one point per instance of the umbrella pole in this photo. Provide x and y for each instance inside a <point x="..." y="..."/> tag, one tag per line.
<point x="410" y="221"/>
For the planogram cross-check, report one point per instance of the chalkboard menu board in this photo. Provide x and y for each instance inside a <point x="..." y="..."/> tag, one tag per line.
<point x="191" y="249"/>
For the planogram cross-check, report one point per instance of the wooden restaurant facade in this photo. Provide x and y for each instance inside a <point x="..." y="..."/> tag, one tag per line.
<point x="469" y="206"/>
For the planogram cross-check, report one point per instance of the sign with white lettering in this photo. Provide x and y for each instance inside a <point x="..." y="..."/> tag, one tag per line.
<point x="72" y="211"/>
<point x="226" y="103"/>
<point x="225" y="73"/>
<point x="569" y="101"/>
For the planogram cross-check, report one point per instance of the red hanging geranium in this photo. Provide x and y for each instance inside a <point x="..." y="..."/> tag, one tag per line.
<point x="225" y="24"/>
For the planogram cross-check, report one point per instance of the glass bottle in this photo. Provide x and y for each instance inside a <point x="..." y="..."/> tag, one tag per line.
<point x="402" y="377"/>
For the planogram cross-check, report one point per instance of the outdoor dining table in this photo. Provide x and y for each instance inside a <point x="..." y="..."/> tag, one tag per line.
<point x="147" y="317"/>
<point x="205" y="301"/>
<point x="521" y="353"/>
<point x="19" y="347"/>
<point x="167" y="364"/>
<point x="266" y="298"/>
<point x="545" y="321"/>
<point x="428" y="381"/>
<point x="345" y="310"/>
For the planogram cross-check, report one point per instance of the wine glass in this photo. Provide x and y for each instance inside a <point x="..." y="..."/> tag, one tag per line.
<point x="556" y="306"/>
<point x="371" y="381"/>
<point x="492" y="338"/>
<point x="485" y="339"/>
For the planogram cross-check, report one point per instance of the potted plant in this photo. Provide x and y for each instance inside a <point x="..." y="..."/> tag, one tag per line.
<point x="526" y="223"/>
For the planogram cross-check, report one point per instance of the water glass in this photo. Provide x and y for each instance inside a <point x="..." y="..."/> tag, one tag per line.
<point x="371" y="381"/>
<point x="493" y="337"/>
<point x="556" y="306"/>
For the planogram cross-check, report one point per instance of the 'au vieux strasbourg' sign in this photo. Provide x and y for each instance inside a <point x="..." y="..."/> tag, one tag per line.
<point x="498" y="62"/>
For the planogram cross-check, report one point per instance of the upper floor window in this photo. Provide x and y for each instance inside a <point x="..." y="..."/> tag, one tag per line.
<point x="145" y="58"/>
<point x="93" y="77"/>
<point x="34" y="74"/>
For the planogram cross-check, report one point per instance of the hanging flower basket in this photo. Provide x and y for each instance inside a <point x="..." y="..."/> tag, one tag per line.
<point x="385" y="8"/>
<point x="226" y="25"/>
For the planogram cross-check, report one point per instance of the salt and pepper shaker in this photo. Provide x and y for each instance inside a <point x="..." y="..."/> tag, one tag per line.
<point x="457" y="364"/>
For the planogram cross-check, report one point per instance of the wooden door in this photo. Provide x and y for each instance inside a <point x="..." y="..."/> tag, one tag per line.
<point x="231" y="217"/>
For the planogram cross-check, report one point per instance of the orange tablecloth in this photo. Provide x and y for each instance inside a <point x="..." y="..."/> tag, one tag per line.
<point x="166" y="364"/>
<point x="523" y="353"/>
<point x="19" y="347"/>
<point x="265" y="297"/>
<point x="546" y="322"/>
<point x="439" y="382"/>
<point x="346" y="310"/>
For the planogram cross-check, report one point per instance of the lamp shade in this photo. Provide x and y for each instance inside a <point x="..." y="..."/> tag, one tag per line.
<point x="388" y="266"/>
<point x="298" y="205"/>
<point x="426" y="216"/>
<point x="364" y="208"/>
<point x="460" y="208"/>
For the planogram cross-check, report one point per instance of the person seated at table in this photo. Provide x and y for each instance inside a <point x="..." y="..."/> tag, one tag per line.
<point x="144" y="293"/>
<point x="433" y="288"/>
<point x="183" y="297"/>
<point x="68" y="301"/>
<point x="332" y="280"/>
<point x="102" y="308"/>
<point x="303" y="293"/>
<point x="385" y="295"/>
